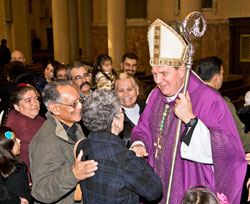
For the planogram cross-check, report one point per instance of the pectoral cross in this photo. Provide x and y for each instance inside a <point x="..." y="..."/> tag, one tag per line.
<point x="158" y="146"/>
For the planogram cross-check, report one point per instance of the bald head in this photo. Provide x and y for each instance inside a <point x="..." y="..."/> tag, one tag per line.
<point x="17" y="55"/>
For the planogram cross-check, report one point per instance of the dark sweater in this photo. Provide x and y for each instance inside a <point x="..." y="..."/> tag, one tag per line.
<point x="17" y="184"/>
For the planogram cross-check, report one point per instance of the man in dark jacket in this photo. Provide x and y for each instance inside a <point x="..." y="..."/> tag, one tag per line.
<point x="210" y="70"/>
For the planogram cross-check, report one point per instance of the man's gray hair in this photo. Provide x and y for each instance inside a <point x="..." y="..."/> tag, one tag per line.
<point x="247" y="98"/>
<point x="50" y="92"/>
<point x="125" y="75"/>
<point x="76" y="64"/>
<point x="99" y="110"/>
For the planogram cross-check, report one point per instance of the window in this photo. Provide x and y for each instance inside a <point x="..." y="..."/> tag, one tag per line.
<point x="207" y="3"/>
<point x="136" y="8"/>
<point x="245" y="48"/>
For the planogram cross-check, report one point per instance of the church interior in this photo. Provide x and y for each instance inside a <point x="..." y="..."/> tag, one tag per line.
<point x="70" y="30"/>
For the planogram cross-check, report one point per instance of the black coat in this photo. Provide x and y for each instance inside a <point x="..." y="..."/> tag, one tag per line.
<point x="244" y="115"/>
<point x="17" y="185"/>
<point x="5" y="55"/>
<point x="125" y="135"/>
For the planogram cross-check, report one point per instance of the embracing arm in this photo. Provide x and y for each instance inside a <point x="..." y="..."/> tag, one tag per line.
<point x="141" y="135"/>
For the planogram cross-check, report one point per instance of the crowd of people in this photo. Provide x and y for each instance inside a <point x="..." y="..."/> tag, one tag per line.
<point x="101" y="136"/>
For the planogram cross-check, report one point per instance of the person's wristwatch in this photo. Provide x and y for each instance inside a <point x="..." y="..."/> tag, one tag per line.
<point x="192" y="122"/>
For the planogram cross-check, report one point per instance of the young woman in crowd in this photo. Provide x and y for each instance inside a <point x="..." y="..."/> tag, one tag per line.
<point x="41" y="82"/>
<point x="13" y="172"/>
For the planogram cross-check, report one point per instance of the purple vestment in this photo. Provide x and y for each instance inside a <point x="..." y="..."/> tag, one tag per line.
<point x="228" y="155"/>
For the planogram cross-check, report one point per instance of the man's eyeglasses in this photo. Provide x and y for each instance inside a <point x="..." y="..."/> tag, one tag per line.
<point x="73" y="105"/>
<point x="79" y="77"/>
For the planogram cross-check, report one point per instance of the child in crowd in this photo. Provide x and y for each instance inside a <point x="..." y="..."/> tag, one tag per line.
<point x="13" y="172"/>
<point x="202" y="195"/>
<point x="103" y="74"/>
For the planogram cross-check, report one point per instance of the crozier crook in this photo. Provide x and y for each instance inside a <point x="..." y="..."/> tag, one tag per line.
<point x="196" y="32"/>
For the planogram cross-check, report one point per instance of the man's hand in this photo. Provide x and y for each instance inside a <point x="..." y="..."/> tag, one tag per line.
<point x="24" y="201"/>
<point x="140" y="151"/>
<point x="183" y="108"/>
<point x="248" y="158"/>
<point x="84" y="169"/>
<point x="248" y="183"/>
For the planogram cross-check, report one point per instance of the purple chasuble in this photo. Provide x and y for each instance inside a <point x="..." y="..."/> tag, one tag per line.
<point x="229" y="162"/>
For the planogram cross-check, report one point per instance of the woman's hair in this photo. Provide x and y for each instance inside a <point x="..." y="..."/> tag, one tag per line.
<point x="8" y="161"/>
<point x="15" y="97"/>
<point x="98" y="68"/>
<point x="99" y="110"/>
<point x="54" y="64"/>
<point x="17" y="72"/>
<point x="18" y="93"/>
<point x="59" y="68"/>
<point x="199" y="195"/>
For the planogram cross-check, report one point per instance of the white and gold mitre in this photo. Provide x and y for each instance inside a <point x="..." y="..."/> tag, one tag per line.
<point x="166" y="46"/>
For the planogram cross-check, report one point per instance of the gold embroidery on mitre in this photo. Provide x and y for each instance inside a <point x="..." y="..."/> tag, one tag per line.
<point x="156" y="60"/>
<point x="157" y="42"/>
<point x="165" y="62"/>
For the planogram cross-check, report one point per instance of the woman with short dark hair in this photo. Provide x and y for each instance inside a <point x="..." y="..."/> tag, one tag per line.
<point x="22" y="116"/>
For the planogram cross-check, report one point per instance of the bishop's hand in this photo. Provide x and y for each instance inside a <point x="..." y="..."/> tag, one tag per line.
<point x="183" y="108"/>
<point x="139" y="150"/>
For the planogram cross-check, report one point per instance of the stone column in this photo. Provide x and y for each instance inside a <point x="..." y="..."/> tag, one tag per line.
<point x="85" y="30"/>
<point x="20" y="30"/>
<point x="116" y="30"/>
<point x="5" y="22"/>
<point x="186" y="7"/>
<point x="73" y="31"/>
<point x="60" y="20"/>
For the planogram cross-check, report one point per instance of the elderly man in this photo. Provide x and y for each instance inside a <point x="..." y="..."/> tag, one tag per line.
<point x="127" y="91"/>
<point x="244" y="112"/>
<point x="53" y="170"/>
<point x="17" y="55"/>
<point x="210" y="151"/>
<point x="78" y="73"/>
<point x="129" y="64"/>
<point x="210" y="70"/>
